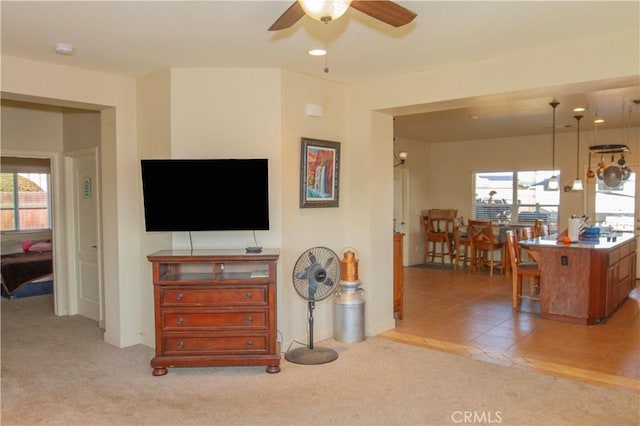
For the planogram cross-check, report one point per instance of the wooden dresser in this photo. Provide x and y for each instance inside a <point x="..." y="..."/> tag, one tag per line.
<point x="215" y="308"/>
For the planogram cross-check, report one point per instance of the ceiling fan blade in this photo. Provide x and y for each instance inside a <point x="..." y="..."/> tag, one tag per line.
<point x="386" y="11"/>
<point x="288" y="18"/>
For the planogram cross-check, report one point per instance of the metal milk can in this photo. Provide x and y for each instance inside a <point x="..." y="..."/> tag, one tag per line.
<point x="348" y="303"/>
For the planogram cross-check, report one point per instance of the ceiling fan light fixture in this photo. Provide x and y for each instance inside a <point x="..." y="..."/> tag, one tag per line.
<point x="317" y="52"/>
<point x="325" y="10"/>
<point x="386" y="11"/>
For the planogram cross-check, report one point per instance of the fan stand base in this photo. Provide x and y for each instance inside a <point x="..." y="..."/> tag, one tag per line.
<point x="313" y="356"/>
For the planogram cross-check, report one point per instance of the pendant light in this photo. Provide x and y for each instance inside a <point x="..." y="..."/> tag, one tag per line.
<point x="577" y="184"/>
<point x="553" y="180"/>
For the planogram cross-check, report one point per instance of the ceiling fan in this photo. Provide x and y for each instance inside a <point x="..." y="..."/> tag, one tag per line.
<point x="327" y="10"/>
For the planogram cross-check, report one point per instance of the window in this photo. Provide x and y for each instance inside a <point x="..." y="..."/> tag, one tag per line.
<point x="495" y="193"/>
<point x="615" y="207"/>
<point x="24" y="201"/>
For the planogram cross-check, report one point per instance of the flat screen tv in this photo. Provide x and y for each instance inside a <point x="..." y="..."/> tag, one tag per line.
<point x="205" y="194"/>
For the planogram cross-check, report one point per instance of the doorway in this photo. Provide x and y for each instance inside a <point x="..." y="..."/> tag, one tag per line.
<point x="83" y="195"/>
<point x="44" y="130"/>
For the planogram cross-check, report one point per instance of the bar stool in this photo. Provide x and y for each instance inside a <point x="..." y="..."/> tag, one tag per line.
<point x="520" y="270"/>
<point x="438" y="225"/>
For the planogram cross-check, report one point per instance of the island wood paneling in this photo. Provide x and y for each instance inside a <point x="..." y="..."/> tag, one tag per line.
<point x="584" y="283"/>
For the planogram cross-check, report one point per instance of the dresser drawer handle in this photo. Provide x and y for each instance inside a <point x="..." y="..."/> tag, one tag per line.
<point x="249" y="319"/>
<point x="180" y="320"/>
<point x="179" y="296"/>
<point x="248" y="295"/>
<point x="249" y="343"/>
<point x="180" y="345"/>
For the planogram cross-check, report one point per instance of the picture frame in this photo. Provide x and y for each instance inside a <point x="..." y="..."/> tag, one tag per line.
<point x="319" y="173"/>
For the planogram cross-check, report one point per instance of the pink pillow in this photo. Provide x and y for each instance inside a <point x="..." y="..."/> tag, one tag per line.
<point x="26" y="245"/>
<point x="41" y="246"/>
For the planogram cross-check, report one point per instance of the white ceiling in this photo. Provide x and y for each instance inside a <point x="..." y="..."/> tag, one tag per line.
<point x="135" y="38"/>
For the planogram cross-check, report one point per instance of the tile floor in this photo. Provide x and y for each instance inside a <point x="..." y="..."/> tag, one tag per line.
<point x="471" y="315"/>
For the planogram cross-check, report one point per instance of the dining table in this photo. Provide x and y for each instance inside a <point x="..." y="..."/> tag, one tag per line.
<point x="500" y="229"/>
<point x="500" y="234"/>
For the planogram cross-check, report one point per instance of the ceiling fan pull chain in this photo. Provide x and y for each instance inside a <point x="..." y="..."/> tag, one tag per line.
<point x="326" y="49"/>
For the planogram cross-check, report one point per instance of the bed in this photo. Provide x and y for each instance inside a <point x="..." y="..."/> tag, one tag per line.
<point x="20" y="269"/>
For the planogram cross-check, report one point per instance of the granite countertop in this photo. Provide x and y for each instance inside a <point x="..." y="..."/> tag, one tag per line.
<point x="601" y="244"/>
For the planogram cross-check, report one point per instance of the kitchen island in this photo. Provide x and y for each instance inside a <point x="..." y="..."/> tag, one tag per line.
<point x="584" y="282"/>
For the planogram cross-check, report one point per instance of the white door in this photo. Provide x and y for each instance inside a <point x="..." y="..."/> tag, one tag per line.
<point x="400" y="208"/>
<point x="398" y="224"/>
<point x="86" y="236"/>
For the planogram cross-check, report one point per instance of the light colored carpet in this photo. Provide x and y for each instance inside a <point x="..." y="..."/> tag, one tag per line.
<point x="58" y="371"/>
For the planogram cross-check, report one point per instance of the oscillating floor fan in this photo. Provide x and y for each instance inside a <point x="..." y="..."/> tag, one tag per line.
<point x="315" y="277"/>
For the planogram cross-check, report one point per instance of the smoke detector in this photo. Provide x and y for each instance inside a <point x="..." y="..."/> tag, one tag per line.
<point x="64" y="49"/>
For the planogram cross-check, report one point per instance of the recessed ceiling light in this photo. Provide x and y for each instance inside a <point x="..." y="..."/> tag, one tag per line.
<point x="598" y="120"/>
<point x="317" y="52"/>
<point x="64" y="49"/>
<point x="474" y="117"/>
<point x="579" y="109"/>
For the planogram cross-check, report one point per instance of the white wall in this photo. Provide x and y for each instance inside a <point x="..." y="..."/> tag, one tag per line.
<point x="31" y="127"/>
<point x="304" y="228"/>
<point x="229" y="113"/>
<point x="81" y="129"/>
<point x="154" y="141"/>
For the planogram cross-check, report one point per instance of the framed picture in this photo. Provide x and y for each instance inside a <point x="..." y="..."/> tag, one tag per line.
<point x="319" y="173"/>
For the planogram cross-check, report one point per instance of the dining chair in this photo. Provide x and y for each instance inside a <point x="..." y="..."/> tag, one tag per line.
<point x="540" y="229"/>
<point x="424" y="219"/>
<point x="439" y="237"/>
<point x="520" y="270"/>
<point x="462" y="243"/>
<point x="484" y="245"/>
<point x="523" y="233"/>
